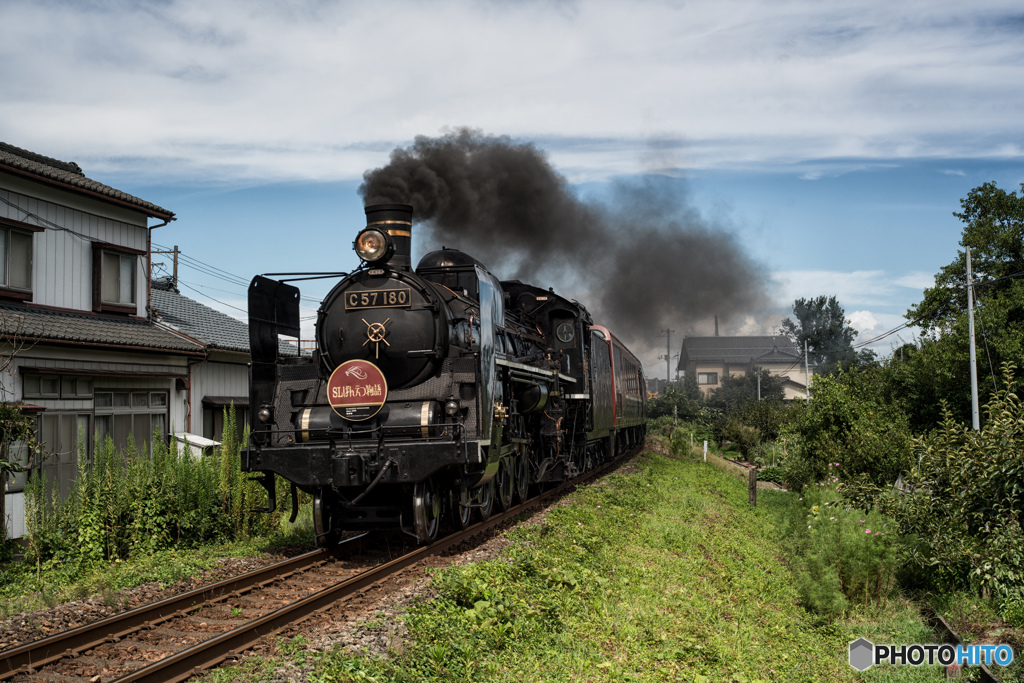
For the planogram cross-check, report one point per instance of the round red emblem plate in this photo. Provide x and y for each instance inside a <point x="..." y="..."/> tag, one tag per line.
<point x="357" y="390"/>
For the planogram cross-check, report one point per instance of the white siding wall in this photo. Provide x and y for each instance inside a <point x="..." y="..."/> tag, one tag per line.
<point x="62" y="259"/>
<point x="217" y="378"/>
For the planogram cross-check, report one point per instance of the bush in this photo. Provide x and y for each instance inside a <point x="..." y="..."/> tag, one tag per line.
<point x="844" y="556"/>
<point x="126" y="502"/>
<point x="742" y="435"/>
<point x="772" y="474"/>
<point x="847" y="422"/>
<point x="964" y="502"/>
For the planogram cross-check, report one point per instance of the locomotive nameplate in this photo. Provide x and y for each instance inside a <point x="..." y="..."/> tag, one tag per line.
<point x="400" y="297"/>
<point x="357" y="390"/>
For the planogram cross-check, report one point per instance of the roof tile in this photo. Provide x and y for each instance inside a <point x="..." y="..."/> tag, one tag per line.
<point x="87" y="328"/>
<point x="70" y="173"/>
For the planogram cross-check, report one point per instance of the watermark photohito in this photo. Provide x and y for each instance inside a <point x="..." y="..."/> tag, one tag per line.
<point x="864" y="654"/>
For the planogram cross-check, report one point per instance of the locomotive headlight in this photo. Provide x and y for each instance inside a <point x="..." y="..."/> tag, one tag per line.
<point x="452" y="408"/>
<point x="263" y="414"/>
<point x="373" y="245"/>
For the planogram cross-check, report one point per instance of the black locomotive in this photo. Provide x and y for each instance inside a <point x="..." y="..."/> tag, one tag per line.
<point x="434" y="391"/>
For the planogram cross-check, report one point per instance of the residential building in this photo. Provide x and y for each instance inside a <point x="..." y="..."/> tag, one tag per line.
<point x="78" y="343"/>
<point x="222" y="378"/>
<point x="712" y="358"/>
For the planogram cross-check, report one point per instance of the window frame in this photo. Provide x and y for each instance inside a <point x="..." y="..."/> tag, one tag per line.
<point x="99" y="249"/>
<point x="712" y="375"/>
<point x="7" y="226"/>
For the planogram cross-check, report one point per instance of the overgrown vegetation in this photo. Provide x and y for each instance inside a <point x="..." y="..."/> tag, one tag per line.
<point x="133" y="517"/>
<point x="126" y="502"/>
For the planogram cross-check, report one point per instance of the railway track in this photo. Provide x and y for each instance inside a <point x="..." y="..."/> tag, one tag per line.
<point x="178" y="637"/>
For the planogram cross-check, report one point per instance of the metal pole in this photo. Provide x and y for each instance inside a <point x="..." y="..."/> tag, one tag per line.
<point x="807" y="373"/>
<point x="668" y="355"/>
<point x="975" y="420"/>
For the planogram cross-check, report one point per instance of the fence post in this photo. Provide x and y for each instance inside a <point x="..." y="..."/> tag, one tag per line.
<point x="752" y="483"/>
<point x="705" y="450"/>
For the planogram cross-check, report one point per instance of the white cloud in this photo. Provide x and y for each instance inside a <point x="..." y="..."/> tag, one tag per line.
<point x="864" y="322"/>
<point x="318" y="90"/>
<point x="916" y="280"/>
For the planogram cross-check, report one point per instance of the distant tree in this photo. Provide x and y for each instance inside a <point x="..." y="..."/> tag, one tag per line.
<point x="821" y="322"/>
<point x="994" y="231"/>
<point x="681" y="399"/>
<point x="735" y="391"/>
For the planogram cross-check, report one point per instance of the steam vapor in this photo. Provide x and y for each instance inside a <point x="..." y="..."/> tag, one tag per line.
<point x="642" y="262"/>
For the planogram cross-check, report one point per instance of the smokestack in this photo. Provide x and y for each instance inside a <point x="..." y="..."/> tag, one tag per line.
<point x="395" y="220"/>
<point x="716" y="325"/>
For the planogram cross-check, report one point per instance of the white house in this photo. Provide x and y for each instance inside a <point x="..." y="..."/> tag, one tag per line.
<point x="78" y="340"/>
<point x="712" y="358"/>
<point x="222" y="378"/>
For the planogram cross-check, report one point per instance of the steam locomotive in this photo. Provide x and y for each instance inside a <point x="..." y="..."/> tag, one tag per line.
<point x="432" y="395"/>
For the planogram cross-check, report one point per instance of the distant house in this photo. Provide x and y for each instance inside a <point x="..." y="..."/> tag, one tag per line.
<point x="78" y="345"/>
<point x="221" y="379"/>
<point x="712" y="358"/>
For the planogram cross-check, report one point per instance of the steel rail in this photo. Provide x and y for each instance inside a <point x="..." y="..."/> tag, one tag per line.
<point x="66" y="643"/>
<point x="210" y="653"/>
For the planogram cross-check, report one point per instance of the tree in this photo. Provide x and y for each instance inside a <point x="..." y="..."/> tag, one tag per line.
<point x="851" y="423"/>
<point x="736" y="391"/>
<point x="821" y="322"/>
<point x="994" y="231"/>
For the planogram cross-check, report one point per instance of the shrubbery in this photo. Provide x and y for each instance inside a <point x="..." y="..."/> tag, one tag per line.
<point x="847" y="422"/>
<point x="845" y="555"/>
<point x="963" y="503"/>
<point x="123" y="503"/>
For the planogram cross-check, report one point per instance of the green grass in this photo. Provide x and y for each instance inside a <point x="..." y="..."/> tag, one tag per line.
<point x="666" y="574"/>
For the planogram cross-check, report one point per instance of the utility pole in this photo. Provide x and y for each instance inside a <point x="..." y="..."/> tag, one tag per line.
<point x="668" y="355"/>
<point x="175" y="252"/>
<point x="807" y="373"/>
<point x="975" y="420"/>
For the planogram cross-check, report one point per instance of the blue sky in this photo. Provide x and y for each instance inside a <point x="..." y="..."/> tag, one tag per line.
<point x="833" y="139"/>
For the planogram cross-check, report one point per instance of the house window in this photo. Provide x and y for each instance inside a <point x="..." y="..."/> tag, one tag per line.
<point x="115" y="274"/>
<point x="707" y="378"/>
<point x="118" y="278"/>
<point x="63" y="437"/>
<point x="16" y="260"/>
<point x="214" y="408"/>
<point x="54" y="386"/>
<point x="137" y="414"/>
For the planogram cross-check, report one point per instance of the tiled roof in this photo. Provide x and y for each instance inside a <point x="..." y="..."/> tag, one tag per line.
<point x="763" y="349"/>
<point x="90" y="330"/>
<point x="213" y="328"/>
<point x="69" y="173"/>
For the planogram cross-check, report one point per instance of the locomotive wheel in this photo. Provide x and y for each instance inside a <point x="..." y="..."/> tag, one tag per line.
<point x="505" y="483"/>
<point x="522" y="477"/>
<point x="463" y="510"/>
<point x="324" y="524"/>
<point x="426" y="511"/>
<point x="485" y="497"/>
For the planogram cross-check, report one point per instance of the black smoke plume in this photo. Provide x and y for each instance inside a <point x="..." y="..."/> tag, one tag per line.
<point x="642" y="261"/>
